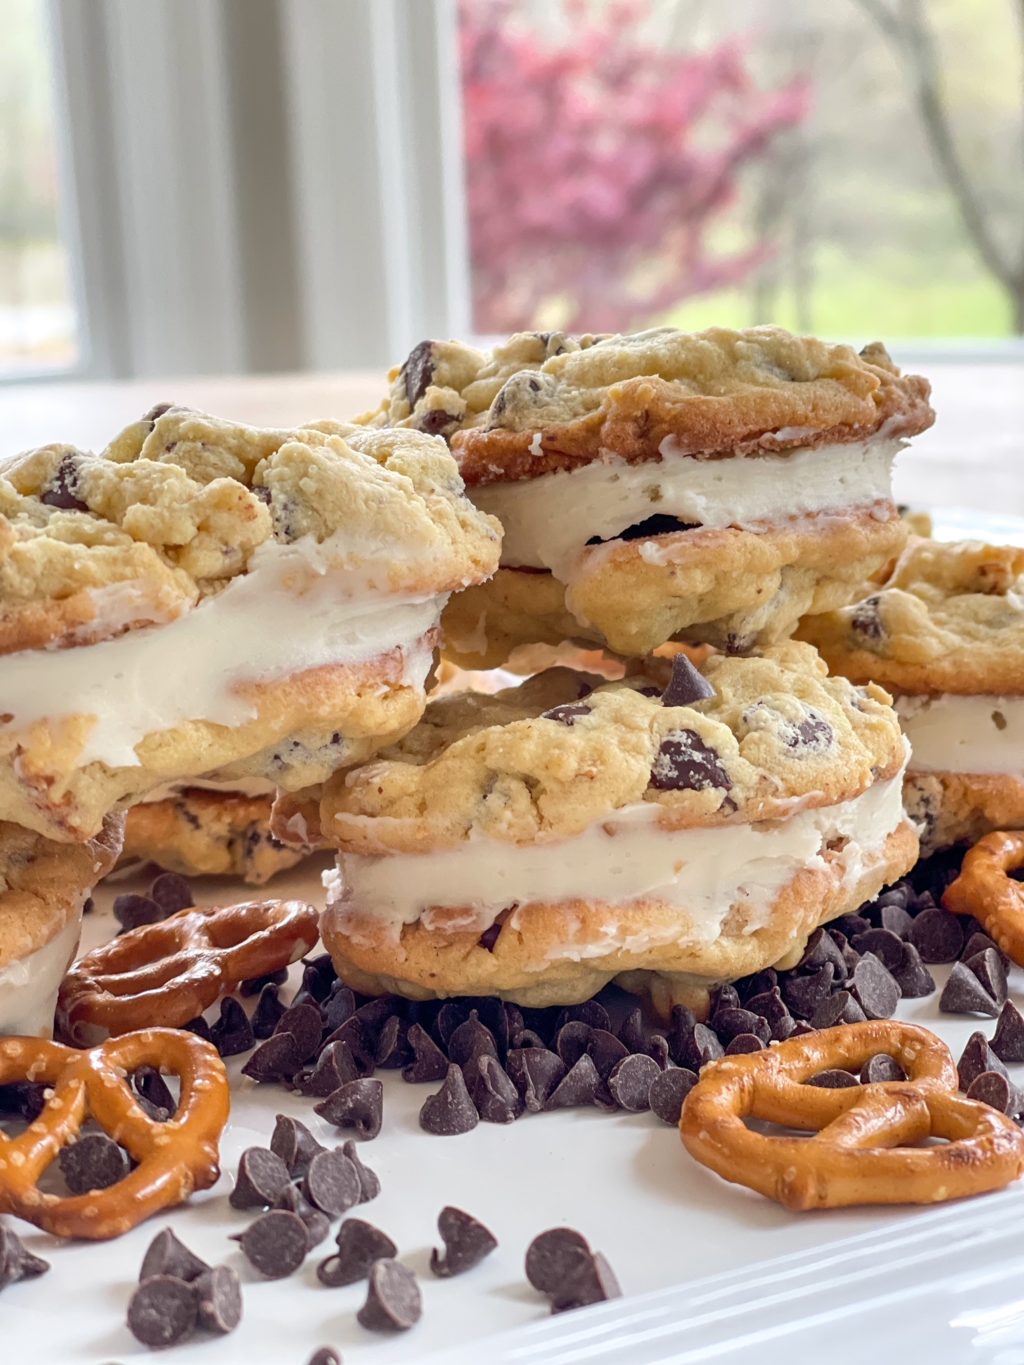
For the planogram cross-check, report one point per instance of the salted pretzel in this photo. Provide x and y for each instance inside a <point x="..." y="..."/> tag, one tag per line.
<point x="985" y="890"/>
<point x="862" y="1150"/>
<point x="172" y="971"/>
<point x="174" y="1158"/>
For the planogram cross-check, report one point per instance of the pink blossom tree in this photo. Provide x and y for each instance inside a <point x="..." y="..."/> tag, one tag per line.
<point x="597" y="163"/>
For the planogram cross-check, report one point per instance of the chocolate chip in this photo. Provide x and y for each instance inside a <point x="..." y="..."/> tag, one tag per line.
<point x="701" y="1047"/>
<point x="324" y="1355"/>
<point x="804" y="994"/>
<point x="133" y="911"/>
<point x="369" y="1181"/>
<point x="360" y="1245"/>
<point x="319" y="976"/>
<point x="686" y="685"/>
<point x="294" y="1144"/>
<point x="358" y="1105"/>
<point x="526" y="1038"/>
<point x="393" y="1051"/>
<point x="976" y="1058"/>
<point x="275" y="1244"/>
<point x="568" y="713"/>
<point x="359" y="1041"/>
<point x="988" y="966"/>
<point x="268" y="1011"/>
<point x="758" y="984"/>
<point x="23" y="1099"/>
<point x="865" y="620"/>
<point x="62" y="490"/>
<point x="770" y="1006"/>
<point x="840" y="1008"/>
<point x="668" y="1091"/>
<point x="937" y="936"/>
<point x="316" y="1223"/>
<point x="821" y="948"/>
<point x="605" y="1050"/>
<point x="850" y="925"/>
<point x="814" y="734"/>
<point x="220" y="1300"/>
<point x="200" y="1028"/>
<point x="338" y="1008"/>
<point x="834" y="1079"/>
<point x="874" y="988"/>
<point x="631" y="1032"/>
<point x="437" y="422"/>
<point x="963" y="993"/>
<point x="428" y="1061"/>
<point x="417" y="371"/>
<point x="554" y="1257"/>
<point x="913" y="977"/>
<point x="589" y="1012"/>
<point x="578" y="1087"/>
<point x="274" y="1060"/>
<point x="94" y="1162"/>
<point x="492" y="1091"/>
<point x="535" y="1072"/>
<point x="686" y="763"/>
<point x="466" y="1243"/>
<point x="451" y="1014"/>
<point x="450" y="1110"/>
<point x="572" y="1040"/>
<point x="593" y="1281"/>
<point x="332" y="1183"/>
<point x="994" y="1088"/>
<point x="885" y="945"/>
<point x="393" y="1301"/>
<point x="167" y="1255"/>
<point x="730" y="1023"/>
<point x="470" y="1040"/>
<point x="16" y="1261"/>
<point x="153" y="1090"/>
<point x="680" y="1031"/>
<point x="163" y="1311"/>
<point x="881" y="1067"/>
<point x="255" y="984"/>
<point x="1008" y="1039"/>
<point x="630" y="1082"/>
<point x="262" y="1175"/>
<point x="895" y="919"/>
<point x="304" y="1024"/>
<point x="744" y="1042"/>
<point x="976" y="943"/>
<point x="334" y="1068"/>
<point x="172" y="892"/>
<point x="489" y="937"/>
<point x="232" y="1033"/>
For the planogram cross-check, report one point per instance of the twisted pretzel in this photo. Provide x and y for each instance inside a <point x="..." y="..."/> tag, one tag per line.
<point x="985" y="890"/>
<point x="861" y="1151"/>
<point x="174" y="970"/>
<point x="175" y="1157"/>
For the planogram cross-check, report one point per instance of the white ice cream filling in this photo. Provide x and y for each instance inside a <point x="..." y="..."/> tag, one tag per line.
<point x="297" y="608"/>
<point x="626" y="857"/>
<point x="961" y="734"/>
<point x="28" y="986"/>
<point x="548" y="520"/>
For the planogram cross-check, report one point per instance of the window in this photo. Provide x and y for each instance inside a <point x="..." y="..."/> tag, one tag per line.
<point x="38" y="326"/>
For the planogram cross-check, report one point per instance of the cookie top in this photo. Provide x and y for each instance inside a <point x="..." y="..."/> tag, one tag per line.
<point x="950" y="618"/>
<point x="545" y="401"/>
<point x="179" y="502"/>
<point x="564" y="749"/>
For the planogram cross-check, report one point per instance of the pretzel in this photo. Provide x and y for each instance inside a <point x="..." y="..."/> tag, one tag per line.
<point x="172" y="971"/>
<point x="861" y="1151"/>
<point x="174" y="1158"/>
<point x="985" y="890"/>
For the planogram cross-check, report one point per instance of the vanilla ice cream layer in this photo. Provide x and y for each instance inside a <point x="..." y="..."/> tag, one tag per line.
<point x="28" y="986"/>
<point x="548" y="520"/>
<point x="624" y="858"/>
<point x="295" y="609"/>
<point x="956" y="734"/>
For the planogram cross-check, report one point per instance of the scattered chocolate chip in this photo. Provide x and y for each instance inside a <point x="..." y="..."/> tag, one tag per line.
<point x="393" y="1301"/>
<point x="153" y="1090"/>
<point x="163" y="1311"/>
<point x="730" y="1023"/>
<point x="630" y="1082"/>
<point x="885" y="945"/>
<point x="491" y="1090"/>
<point x="745" y="1042"/>
<point x="605" y="1050"/>
<point x="976" y="943"/>
<point x="758" y="984"/>
<point x="963" y="993"/>
<point x="450" y="1110"/>
<point x="451" y="1014"/>
<point x="172" y="892"/>
<point x="937" y="936"/>
<point x="577" y="1088"/>
<point x="334" y="1068"/>
<point x="393" y="1051"/>
<point x="571" y="1041"/>
<point x="338" y="1008"/>
<point x="319" y="976"/>
<point x="850" y="926"/>
<point x="977" y="1057"/>
<point x="275" y="1060"/>
<point x="358" y="1105"/>
<point x="834" y="1079"/>
<point x="804" y="994"/>
<point x="770" y="1007"/>
<point x="220" y="1299"/>
<point x="428" y="1061"/>
<point x="94" y="1162"/>
<point x="589" y="1012"/>
<point x="256" y="984"/>
<point x="686" y="763"/>
<point x="568" y="713"/>
<point x="994" y="1088"/>
<point x="1008" y="1039"/>
<point x="360" y="1245"/>
<point x="332" y="1184"/>
<point x="527" y="1038"/>
<point x="554" y="1256"/>
<point x="369" y="1181"/>
<point x="535" y="1072"/>
<point x="200" y="1028"/>
<point x="881" y="1067"/>
<point x="840" y="1008"/>
<point x="275" y="1244"/>
<point x="16" y="1261"/>
<point x="988" y="966"/>
<point x="470" y="1040"/>
<point x="913" y="977"/>
<point x="686" y="685"/>
<point x="466" y="1243"/>
<point x="701" y="1047"/>
<point x="262" y="1175"/>
<point x="417" y="371"/>
<point x="268" y="1011"/>
<point x="132" y="911"/>
<point x="359" y="1043"/>
<point x="232" y="1033"/>
<point x="324" y="1355"/>
<point x="294" y="1144"/>
<point x="821" y="948"/>
<point x="168" y="1255"/>
<point x="593" y="1281"/>
<point x="304" y="1024"/>
<point x="874" y="988"/>
<point x="668" y="1091"/>
<point x="896" y="919"/>
<point x="631" y="1032"/>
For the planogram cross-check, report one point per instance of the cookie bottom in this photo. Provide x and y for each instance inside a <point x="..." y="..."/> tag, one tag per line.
<point x="202" y="833"/>
<point x="558" y="953"/>
<point x="732" y="588"/>
<point x="952" y="808"/>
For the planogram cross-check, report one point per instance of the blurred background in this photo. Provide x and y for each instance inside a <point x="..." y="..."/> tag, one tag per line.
<point x="235" y="186"/>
